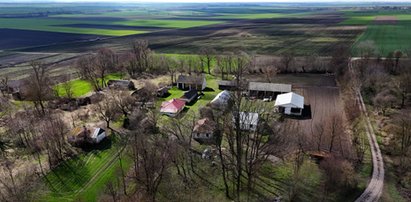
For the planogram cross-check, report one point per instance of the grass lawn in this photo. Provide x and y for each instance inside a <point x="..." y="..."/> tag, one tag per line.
<point x="211" y="91"/>
<point x="81" y="87"/>
<point x="84" y="177"/>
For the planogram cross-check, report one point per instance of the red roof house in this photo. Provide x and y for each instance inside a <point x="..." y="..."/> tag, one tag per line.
<point x="172" y="107"/>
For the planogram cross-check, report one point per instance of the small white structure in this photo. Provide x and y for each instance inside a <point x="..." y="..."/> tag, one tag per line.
<point x="248" y="121"/>
<point x="98" y="135"/>
<point x="221" y="100"/>
<point x="290" y="103"/>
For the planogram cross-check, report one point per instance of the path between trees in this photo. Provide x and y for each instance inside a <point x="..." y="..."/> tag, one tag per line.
<point x="375" y="186"/>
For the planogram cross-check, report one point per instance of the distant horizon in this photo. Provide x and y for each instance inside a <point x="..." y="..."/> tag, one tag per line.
<point x="205" y="1"/>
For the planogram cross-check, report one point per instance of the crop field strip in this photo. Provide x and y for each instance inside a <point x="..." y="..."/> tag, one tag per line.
<point x="387" y="36"/>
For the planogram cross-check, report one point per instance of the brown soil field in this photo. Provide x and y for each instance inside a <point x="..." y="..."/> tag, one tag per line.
<point x="324" y="102"/>
<point x="307" y="34"/>
<point x="385" y="20"/>
<point x="14" y="38"/>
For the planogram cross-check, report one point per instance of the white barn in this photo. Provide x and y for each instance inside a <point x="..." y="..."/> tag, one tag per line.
<point x="290" y="103"/>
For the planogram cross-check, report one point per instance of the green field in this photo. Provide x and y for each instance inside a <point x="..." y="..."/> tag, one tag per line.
<point x="61" y="18"/>
<point x="387" y="37"/>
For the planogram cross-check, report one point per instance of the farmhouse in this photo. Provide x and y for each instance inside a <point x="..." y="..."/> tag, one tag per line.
<point x="221" y="100"/>
<point x="121" y="84"/>
<point x="81" y="135"/>
<point x="173" y="107"/>
<point x="267" y="90"/>
<point x="188" y="82"/>
<point x="204" y="131"/>
<point x="190" y="96"/>
<point x="248" y="121"/>
<point x="290" y="103"/>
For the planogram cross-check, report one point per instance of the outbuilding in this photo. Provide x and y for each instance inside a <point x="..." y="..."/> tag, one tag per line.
<point x="188" y="82"/>
<point x="248" y="121"/>
<point x="267" y="90"/>
<point x="190" y="96"/>
<point x="221" y="100"/>
<point x="121" y="84"/>
<point x="290" y="104"/>
<point x="204" y="131"/>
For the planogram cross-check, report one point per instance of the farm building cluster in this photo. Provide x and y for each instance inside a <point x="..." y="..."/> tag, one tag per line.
<point x="205" y="131"/>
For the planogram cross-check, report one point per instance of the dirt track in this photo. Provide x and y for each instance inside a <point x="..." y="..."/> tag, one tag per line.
<point x="375" y="186"/>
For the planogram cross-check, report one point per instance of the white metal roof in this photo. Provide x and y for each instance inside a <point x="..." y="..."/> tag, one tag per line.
<point x="96" y="132"/>
<point x="221" y="98"/>
<point x="291" y="99"/>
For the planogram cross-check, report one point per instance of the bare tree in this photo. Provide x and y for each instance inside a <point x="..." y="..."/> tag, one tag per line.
<point x="397" y="54"/>
<point x="88" y="71"/>
<point x="287" y="59"/>
<point x="139" y="58"/>
<point x="105" y="60"/>
<point x="384" y="100"/>
<point x="403" y="132"/>
<point x="367" y="49"/>
<point x="151" y="160"/>
<point x="106" y="110"/>
<point x="38" y="86"/>
<point x="336" y="130"/>
<point x="207" y="55"/>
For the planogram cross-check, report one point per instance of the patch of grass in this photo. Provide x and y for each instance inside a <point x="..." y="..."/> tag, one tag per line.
<point x="55" y="25"/>
<point x="81" y="87"/>
<point x="81" y="178"/>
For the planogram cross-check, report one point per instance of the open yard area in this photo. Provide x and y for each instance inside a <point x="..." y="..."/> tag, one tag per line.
<point x="85" y="176"/>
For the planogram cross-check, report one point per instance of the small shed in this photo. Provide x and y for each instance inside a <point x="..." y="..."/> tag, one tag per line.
<point x="172" y="107"/>
<point x="290" y="104"/>
<point x="188" y="82"/>
<point x="267" y="90"/>
<point x="190" y="96"/>
<point x="121" y="84"/>
<point x="204" y="131"/>
<point x="248" y="121"/>
<point x="163" y="91"/>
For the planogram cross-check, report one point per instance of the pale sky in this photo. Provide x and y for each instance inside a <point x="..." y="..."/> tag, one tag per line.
<point x="205" y="1"/>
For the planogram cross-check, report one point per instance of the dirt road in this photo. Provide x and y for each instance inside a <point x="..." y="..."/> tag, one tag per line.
<point x="375" y="186"/>
<point x="374" y="189"/>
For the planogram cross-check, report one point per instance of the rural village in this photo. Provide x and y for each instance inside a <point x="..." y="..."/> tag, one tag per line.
<point x="134" y="124"/>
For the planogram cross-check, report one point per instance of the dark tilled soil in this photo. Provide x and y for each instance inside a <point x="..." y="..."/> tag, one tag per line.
<point x="114" y="27"/>
<point x="14" y="38"/>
